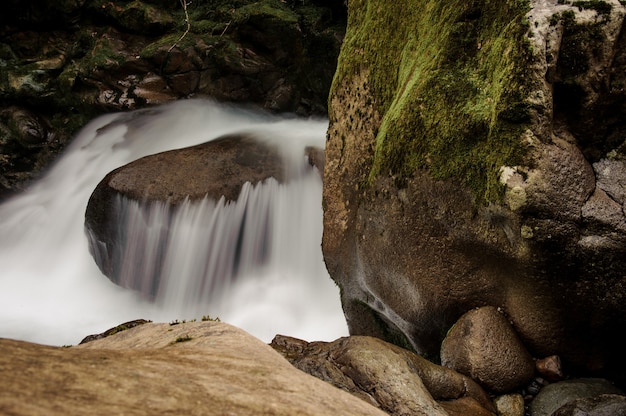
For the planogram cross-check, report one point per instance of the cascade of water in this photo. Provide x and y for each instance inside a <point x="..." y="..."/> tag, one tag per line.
<point x="52" y="292"/>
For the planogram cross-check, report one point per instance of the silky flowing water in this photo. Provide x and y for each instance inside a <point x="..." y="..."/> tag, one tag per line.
<point x="255" y="263"/>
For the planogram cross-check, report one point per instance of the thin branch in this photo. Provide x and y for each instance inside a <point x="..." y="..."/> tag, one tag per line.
<point x="184" y="4"/>
<point x="225" y="29"/>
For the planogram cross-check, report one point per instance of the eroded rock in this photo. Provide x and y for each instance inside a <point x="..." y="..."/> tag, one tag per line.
<point x="434" y="206"/>
<point x="152" y="369"/>
<point x="550" y="368"/>
<point x="554" y="396"/>
<point x="602" y="405"/>
<point x="214" y="169"/>
<point x="509" y="405"/>
<point x="391" y="378"/>
<point x="483" y="345"/>
<point x="214" y="172"/>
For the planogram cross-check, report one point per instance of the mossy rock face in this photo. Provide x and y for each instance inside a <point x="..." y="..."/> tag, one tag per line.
<point x="466" y="165"/>
<point x="72" y="60"/>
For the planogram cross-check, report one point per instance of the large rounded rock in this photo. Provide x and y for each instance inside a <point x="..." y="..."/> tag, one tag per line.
<point x="215" y="170"/>
<point x="477" y="159"/>
<point x="483" y="345"/>
<point x="208" y="368"/>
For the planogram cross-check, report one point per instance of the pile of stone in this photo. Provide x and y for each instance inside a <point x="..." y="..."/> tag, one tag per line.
<point x="212" y="368"/>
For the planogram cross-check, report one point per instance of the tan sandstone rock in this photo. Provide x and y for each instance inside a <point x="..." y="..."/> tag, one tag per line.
<point x="201" y="368"/>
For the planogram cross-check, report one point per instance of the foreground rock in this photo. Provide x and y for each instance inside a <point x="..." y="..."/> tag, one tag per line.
<point x="154" y="369"/>
<point x="555" y="396"/>
<point x="602" y="405"/>
<point x="479" y="159"/>
<point x="391" y="378"/>
<point x="483" y="345"/>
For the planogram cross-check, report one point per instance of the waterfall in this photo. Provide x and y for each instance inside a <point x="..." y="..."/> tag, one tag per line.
<point x="255" y="263"/>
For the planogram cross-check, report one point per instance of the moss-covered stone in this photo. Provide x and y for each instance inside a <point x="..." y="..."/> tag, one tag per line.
<point x="456" y="103"/>
<point x="432" y="105"/>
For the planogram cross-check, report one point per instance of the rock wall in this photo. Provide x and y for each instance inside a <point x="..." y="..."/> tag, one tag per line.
<point x="476" y="157"/>
<point x="63" y="63"/>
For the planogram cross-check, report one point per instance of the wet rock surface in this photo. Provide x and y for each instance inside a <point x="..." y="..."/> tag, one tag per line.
<point x="214" y="172"/>
<point x="602" y="405"/>
<point x="214" y="169"/>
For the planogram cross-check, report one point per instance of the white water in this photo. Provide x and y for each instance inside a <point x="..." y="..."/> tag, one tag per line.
<point x="52" y="292"/>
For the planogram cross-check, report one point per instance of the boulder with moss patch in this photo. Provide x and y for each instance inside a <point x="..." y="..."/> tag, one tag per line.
<point x="468" y="164"/>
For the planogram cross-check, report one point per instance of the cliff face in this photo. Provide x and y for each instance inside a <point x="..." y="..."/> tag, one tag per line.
<point x="475" y="157"/>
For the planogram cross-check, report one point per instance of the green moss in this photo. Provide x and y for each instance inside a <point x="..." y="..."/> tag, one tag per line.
<point x="210" y="25"/>
<point x="267" y="8"/>
<point x="450" y="78"/>
<point x="117" y="329"/>
<point x="165" y="42"/>
<point x="103" y="56"/>
<point x="554" y="19"/>
<point x="183" y="338"/>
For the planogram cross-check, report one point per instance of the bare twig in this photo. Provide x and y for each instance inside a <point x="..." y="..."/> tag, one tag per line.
<point x="225" y="29"/>
<point x="183" y="3"/>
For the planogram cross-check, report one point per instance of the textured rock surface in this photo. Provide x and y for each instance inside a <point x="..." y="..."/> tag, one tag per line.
<point x="473" y="159"/>
<point x="216" y="170"/>
<point x="509" y="405"/>
<point x="602" y="405"/>
<point x="550" y="368"/>
<point x="483" y="345"/>
<point x="67" y="62"/>
<point x="157" y="369"/>
<point x="553" y="396"/>
<point x="391" y="378"/>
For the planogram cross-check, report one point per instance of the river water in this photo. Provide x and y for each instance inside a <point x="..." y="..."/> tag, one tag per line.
<point x="52" y="292"/>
